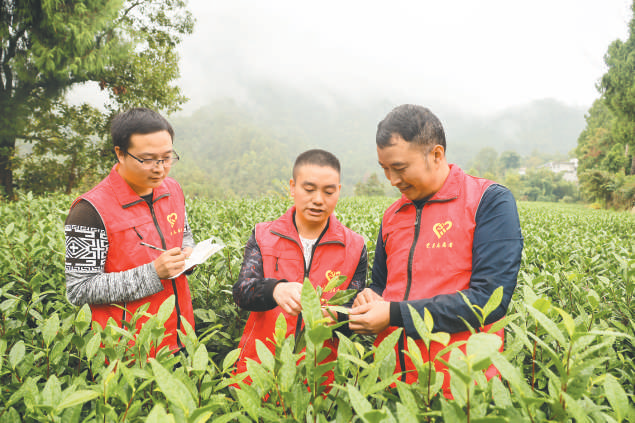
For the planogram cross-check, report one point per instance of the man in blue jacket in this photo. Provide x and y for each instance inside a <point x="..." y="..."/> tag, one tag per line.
<point x="449" y="232"/>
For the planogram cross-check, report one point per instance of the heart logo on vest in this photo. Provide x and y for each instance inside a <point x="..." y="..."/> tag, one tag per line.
<point x="172" y="218"/>
<point x="441" y="228"/>
<point x="330" y="275"/>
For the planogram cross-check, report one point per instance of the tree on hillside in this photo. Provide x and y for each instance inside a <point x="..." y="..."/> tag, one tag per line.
<point x="617" y="86"/>
<point x="370" y="187"/>
<point x="48" y="46"/>
<point x="508" y="160"/>
<point x="66" y="152"/>
<point x="484" y="161"/>
<point x="597" y="147"/>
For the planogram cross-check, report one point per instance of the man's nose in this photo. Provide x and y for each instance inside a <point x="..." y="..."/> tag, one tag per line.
<point x="318" y="198"/>
<point x="393" y="177"/>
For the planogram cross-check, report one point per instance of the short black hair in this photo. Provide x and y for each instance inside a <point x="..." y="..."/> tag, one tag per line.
<point x="414" y="124"/>
<point x="139" y="120"/>
<point x="316" y="157"/>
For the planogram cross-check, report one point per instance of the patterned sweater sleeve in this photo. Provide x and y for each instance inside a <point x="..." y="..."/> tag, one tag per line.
<point x="252" y="291"/>
<point x="86" y="250"/>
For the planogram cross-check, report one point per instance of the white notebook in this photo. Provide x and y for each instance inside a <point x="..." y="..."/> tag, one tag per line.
<point x="202" y="251"/>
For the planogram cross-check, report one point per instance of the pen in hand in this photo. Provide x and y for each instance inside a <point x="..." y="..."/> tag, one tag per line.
<point x="151" y="246"/>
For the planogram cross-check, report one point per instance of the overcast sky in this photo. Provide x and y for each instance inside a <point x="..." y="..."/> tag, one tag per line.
<point x="478" y="56"/>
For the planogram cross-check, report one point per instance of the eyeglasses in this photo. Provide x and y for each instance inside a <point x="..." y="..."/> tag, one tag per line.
<point x="150" y="163"/>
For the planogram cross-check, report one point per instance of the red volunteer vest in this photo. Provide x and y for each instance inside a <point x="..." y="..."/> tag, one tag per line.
<point x="129" y="220"/>
<point x="337" y="253"/>
<point x="442" y="259"/>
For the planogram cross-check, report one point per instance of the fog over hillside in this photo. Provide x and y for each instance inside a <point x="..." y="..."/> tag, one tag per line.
<point x="269" y="79"/>
<point x="272" y="123"/>
<point x="509" y="75"/>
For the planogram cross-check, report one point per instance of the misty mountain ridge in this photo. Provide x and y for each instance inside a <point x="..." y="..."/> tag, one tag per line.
<point x="273" y="123"/>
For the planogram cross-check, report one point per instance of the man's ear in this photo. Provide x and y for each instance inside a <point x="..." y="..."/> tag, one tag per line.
<point x="292" y="187"/>
<point x="439" y="153"/>
<point x="119" y="153"/>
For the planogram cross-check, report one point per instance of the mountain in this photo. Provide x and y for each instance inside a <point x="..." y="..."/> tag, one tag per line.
<point x="246" y="148"/>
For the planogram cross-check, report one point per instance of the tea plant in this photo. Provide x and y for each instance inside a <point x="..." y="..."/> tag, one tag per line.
<point x="568" y="353"/>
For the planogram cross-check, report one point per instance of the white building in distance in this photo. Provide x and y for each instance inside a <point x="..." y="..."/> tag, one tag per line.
<point x="569" y="167"/>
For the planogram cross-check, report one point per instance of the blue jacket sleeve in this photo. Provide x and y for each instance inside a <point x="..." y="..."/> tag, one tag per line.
<point x="496" y="254"/>
<point x="380" y="270"/>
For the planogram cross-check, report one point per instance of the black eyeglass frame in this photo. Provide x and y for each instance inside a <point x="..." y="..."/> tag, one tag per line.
<point x="162" y="162"/>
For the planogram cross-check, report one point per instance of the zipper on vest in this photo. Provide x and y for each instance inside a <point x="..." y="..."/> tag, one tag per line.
<point x="174" y="290"/>
<point x="402" y="339"/>
<point x="156" y="225"/>
<point x="307" y="271"/>
<point x="412" y="251"/>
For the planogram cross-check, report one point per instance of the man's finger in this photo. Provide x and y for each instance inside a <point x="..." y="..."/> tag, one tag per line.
<point x="361" y="309"/>
<point x="173" y="251"/>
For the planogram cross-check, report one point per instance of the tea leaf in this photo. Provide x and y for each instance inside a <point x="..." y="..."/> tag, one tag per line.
<point x="236" y="415"/>
<point x="483" y="345"/>
<point x="287" y="372"/>
<point x="342" y="297"/>
<point x="249" y="401"/>
<point x="8" y="230"/>
<point x="311" y="311"/>
<point x="93" y="345"/>
<point x="548" y="324"/>
<point x="493" y="302"/>
<point x="52" y="391"/>
<point x="16" y="355"/>
<point x="335" y="282"/>
<point x="165" y="310"/>
<point x="172" y="388"/>
<point x="387" y="345"/>
<point x="49" y="330"/>
<point x="406" y="414"/>
<point x="83" y="318"/>
<point x="338" y="309"/>
<point x="359" y="402"/>
<point x="265" y="355"/>
<point x="231" y="358"/>
<point x="569" y="324"/>
<point x="77" y="397"/>
<point x="158" y="415"/>
<point x="200" y="359"/>
<point x="617" y="397"/>
<point x="281" y="329"/>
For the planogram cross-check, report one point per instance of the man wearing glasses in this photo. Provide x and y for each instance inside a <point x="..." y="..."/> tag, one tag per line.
<point x="128" y="237"/>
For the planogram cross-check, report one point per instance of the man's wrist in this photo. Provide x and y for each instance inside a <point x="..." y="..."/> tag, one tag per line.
<point x="396" y="319"/>
<point x="269" y="285"/>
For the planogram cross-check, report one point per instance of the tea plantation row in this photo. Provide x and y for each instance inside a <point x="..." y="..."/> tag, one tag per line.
<point x="569" y="352"/>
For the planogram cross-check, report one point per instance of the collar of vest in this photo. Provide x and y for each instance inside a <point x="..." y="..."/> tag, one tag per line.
<point x="126" y="197"/>
<point x="450" y="190"/>
<point x="284" y="226"/>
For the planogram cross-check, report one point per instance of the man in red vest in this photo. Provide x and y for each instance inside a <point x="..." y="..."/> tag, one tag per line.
<point x="128" y="237"/>
<point x="306" y="242"/>
<point x="448" y="232"/>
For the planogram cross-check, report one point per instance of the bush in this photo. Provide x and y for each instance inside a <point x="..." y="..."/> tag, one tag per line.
<point x="568" y="347"/>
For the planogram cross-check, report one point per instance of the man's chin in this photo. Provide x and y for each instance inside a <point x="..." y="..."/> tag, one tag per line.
<point x="312" y="217"/>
